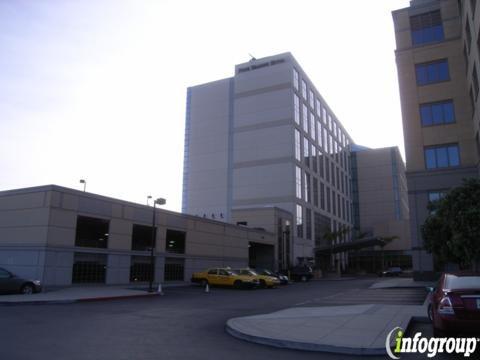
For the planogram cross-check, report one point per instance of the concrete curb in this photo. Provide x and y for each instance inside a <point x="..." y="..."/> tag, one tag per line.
<point x="71" y="301"/>
<point x="297" y="345"/>
<point x="306" y="346"/>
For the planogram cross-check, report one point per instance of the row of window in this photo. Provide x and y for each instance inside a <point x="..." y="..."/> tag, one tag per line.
<point x="316" y="108"/>
<point x="92" y="268"/>
<point x="320" y="164"/>
<point x="94" y="233"/>
<point x="341" y="157"/>
<point x="320" y="195"/>
<point x="321" y="223"/>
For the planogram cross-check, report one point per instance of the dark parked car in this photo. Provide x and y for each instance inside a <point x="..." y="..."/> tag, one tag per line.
<point x="391" y="271"/>
<point x="301" y="273"/>
<point x="455" y="304"/>
<point x="10" y="284"/>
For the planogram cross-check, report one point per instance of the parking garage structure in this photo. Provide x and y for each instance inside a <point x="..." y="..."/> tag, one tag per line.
<point x="63" y="236"/>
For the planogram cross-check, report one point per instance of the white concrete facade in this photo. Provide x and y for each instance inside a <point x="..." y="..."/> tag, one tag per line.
<point x="241" y="150"/>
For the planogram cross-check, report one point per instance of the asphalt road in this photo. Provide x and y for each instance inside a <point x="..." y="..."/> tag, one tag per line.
<point x="186" y="323"/>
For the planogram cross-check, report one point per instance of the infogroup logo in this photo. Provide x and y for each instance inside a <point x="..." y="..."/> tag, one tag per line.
<point x="431" y="346"/>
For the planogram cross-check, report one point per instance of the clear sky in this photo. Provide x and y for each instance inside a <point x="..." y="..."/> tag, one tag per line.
<point x="96" y="89"/>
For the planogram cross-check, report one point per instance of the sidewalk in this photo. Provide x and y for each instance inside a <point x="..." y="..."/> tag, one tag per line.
<point x="401" y="283"/>
<point x="82" y="294"/>
<point x="353" y="329"/>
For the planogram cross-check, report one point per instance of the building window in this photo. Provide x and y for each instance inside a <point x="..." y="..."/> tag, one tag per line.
<point x="426" y="28"/>
<point x="295" y="79"/>
<point x="298" y="182"/>
<point x="442" y="156"/>
<point x="313" y="154"/>
<point x="296" y="107"/>
<point x="328" y="199"/>
<point x="89" y="268"/>
<point x="312" y="100"/>
<point x="304" y="90"/>
<point x="91" y="232"/>
<point x="327" y="169"/>
<point x="319" y="108"/>
<point x="308" y="223"/>
<point x="306" y="184"/>
<point x="319" y="134"/>
<point x="306" y="156"/>
<point x="436" y="195"/>
<point x="468" y="33"/>
<point x="325" y="142"/>
<point x="332" y="173"/>
<point x="433" y="72"/>
<point x="299" y="221"/>
<point x="322" y="196"/>
<point x="315" y="191"/>
<point x="305" y="118"/>
<point x="324" y="115"/>
<point x="140" y="268"/>
<point x="334" y="203"/>
<point x="475" y="81"/>
<point x="320" y="164"/>
<point x="142" y="237"/>
<point x="298" y="151"/>
<point x="175" y="241"/>
<point x="312" y="126"/>
<point x="174" y="269"/>
<point x="437" y="113"/>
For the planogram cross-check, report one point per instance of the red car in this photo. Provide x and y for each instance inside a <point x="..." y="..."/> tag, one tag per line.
<point x="455" y="304"/>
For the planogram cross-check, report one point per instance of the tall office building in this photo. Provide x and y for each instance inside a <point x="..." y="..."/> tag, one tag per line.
<point x="266" y="138"/>
<point x="437" y="58"/>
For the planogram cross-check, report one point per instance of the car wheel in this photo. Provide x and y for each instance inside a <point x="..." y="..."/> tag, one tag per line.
<point x="263" y="284"/>
<point x="303" y="278"/>
<point x="27" y="289"/>
<point x="237" y="284"/>
<point x="430" y="312"/>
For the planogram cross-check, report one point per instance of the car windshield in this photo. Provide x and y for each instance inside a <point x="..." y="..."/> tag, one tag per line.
<point x="266" y="272"/>
<point x="246" y="272"/>
<point x="462" y="282"/>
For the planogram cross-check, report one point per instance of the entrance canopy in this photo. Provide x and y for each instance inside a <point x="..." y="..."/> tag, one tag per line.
<point x="351" y="245"/>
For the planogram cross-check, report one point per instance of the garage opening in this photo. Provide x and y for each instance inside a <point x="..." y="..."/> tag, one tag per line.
<point x="140" y="268"/>
<point x="174" y="269"/>
<point x="89" y="268"/>
<point x="261" y="256"/>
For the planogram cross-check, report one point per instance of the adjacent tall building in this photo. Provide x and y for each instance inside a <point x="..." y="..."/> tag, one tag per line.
<point x="438" y="46"/>
<point x="380" y="206"/>
<point x="266" y="138"/>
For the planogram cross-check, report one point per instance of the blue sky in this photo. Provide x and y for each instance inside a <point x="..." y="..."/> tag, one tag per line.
<point x="96" y="89"/>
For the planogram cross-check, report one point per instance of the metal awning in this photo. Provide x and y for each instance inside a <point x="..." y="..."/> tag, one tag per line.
<point x="350" y="245"/>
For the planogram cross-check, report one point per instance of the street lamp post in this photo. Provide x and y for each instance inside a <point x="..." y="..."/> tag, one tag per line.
<point x="158" y="201"/>
<point x="84" y="182"/>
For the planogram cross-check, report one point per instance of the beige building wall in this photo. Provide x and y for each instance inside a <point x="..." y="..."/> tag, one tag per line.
<point x="464" y="131"/>
<point x="38" y="230"/>
<point x="382" y="195"/>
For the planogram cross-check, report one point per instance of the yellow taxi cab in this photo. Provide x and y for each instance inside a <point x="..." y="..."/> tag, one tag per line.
<point x="224" y="277"/>
<point x="263" y="280"/>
